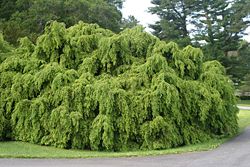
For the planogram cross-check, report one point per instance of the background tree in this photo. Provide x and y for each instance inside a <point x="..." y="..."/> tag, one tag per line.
<point x="117" y="3"/>
<point x="245" y="88"/>
<point x="28" y="17"/>
<point x="220" y="24"/>
<point x="130" y="22"/>
<point x="7" y="8"/>
<point x="238" y="65"/>
<point x="173" y="20"/>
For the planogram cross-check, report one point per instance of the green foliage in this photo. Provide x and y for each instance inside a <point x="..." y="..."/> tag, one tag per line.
<point x="238" y="66"/>
<point x="4" y="48"/>
<point x="217" y="26"/>
<point x="130" y="22"/>
<point x="85" y="87"/>
<point x="7" y="8"/>
<point x="173" y="22"/>
<point x="245" y="88"/>
<point x="20" y="18"/>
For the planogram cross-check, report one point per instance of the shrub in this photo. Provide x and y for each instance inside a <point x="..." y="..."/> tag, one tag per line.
<point x="85" y="87"/>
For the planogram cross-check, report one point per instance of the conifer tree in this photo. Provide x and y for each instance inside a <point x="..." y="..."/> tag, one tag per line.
<point x="29" y="17"/>
<point x="173" y="24"/>
<point x="85" y="87"/>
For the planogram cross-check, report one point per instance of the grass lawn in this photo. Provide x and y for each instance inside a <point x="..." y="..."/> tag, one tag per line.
<point x="27" y="150"/>
<point x="244" y="102"/>
<point x="244" y="119"/>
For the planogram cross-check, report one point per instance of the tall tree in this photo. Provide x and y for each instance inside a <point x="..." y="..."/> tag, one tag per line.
<point x="220" y="24"/>
<point x="7" y="8"/>
<point x="239" y="66"/>
<point x="117" y="3"/>
<point x="31" y="16"/>
<point x="245" y="88"/>
<point x="129" y="22"/>
<point x="173" y="24"/>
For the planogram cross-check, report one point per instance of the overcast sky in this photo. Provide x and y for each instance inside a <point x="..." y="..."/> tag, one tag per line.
<point x="138" y="8"/>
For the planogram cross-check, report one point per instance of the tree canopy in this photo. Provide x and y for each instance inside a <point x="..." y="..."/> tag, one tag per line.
<point x="86" y="87"/>
<point x="22" y="18"/>
<point x="173" y="20"/>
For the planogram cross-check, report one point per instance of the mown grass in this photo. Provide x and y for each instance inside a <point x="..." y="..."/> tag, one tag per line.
<point x="244" y="119"/>
<point x="27" y="150"/>
<point x="244" y="103"/>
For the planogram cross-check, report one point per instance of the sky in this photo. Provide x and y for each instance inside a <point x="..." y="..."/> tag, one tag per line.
<point x="138" y="8"/>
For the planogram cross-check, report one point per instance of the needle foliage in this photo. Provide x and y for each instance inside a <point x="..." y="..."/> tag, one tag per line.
<point x="85" y="87"/>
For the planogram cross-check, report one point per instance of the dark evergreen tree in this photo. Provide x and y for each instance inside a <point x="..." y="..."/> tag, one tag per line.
<point x="238" y="66"/>
<point x="173" y="22"/>
<point x="117" y="3"/>
<point x="221" y="24"/>
<point x="245" y="88"/>
<point x="29" y="17"/>
<point x="7" y="8"/>
<point x="130" y="22"/>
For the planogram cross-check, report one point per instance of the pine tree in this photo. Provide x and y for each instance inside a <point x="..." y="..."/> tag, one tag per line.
<point x="245" y="88"/>
<point x="221" y="24"/>
<point x="130" y="22"/>
<point x="8" y="7"/>
<point x="173" y="24"/>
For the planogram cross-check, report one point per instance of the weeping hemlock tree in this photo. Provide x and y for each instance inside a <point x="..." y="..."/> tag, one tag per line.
<point x="85" y="87"/>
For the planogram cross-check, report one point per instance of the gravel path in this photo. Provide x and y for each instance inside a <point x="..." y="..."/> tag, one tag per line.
<point x="231" y="154"/>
